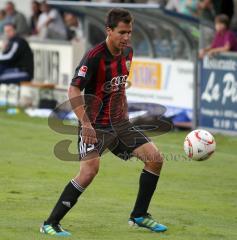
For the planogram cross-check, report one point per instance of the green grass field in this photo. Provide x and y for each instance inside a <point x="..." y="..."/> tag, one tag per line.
<point x="196" y="200"/>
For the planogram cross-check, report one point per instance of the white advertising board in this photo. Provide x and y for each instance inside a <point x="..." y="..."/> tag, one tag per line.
<point x="55" y="62"/>
<point x="165" y="82"/>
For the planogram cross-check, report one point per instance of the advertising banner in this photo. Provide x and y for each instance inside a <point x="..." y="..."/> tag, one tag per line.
<point x="161" y="81"/>
<point x="55" y="62"/>
<point x="218" y="94"/>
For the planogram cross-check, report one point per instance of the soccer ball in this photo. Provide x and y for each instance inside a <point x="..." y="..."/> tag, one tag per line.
<point x="199" y="145"/>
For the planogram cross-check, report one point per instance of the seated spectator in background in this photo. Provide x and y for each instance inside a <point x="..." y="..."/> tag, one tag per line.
<point x="16" y="60"/>
<point x="50" y="24"/>
<point x="2" y="20"/>
<point x="190" y="7"/>
<point x="206" y="10"/>
<point x="73" y="27"/>
<point x="187" y="7"/>
<point x="125" y="1"/>
<point x="35" y="8"/>
<point x="16" y="18"/>
<point x="162" y="3"/>
<point x="101" y="1"/>
<point x="224" y="40"/>
<point x="173" y="5"/>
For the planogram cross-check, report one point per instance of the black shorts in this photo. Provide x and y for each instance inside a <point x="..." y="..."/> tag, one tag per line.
<point x="121" y="139"/>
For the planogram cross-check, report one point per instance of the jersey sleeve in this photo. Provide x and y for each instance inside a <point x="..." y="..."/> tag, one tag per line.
<point x="10" y="53"/>
<point x="84" y="73"/>
<point x="214" y="42"/>
<point x="230" y="39"/>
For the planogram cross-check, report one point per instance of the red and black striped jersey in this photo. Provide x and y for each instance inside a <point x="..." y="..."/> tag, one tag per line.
<point x="103" y="77"/>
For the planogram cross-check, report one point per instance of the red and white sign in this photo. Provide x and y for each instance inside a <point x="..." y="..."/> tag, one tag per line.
<point x="82" y="71"/>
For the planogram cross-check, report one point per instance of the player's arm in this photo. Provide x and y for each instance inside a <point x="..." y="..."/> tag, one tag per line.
<point x="204" y="51"/>
<point x="214" y="51"/>
<point x="77" y="102"/>
<point x="82" y="77"/>
<point x="10" y="53"/>
<point x="52" y="17"/>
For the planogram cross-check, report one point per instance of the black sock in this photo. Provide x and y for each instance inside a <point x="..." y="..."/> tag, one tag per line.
<point x="147" y="186"/>
<point x="66" y="201"/>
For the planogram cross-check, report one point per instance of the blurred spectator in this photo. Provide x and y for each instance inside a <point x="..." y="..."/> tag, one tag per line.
<point x="35" y="8"/>
<point x="2" y="20"/>
<point x="50" y="24"/>
<point x="102" y="1"/>
<point x="162" y="3"/>
<point x="127" y="1"/>
<point x="187" y="7"/>
<point x="224" y="40"/>
<point x="17" y="18"/>
<point x="173" y="5"/>
<point x="190" y="7"/>
<point x="206" y="10"/>
<point x="16" y="60"/>
<point x="73" y="26"/>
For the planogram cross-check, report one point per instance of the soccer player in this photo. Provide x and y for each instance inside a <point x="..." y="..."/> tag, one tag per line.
<point x="104" y="123"/>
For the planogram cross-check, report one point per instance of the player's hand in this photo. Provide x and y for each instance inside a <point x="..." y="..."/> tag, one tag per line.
<point x="88" y="134"/>
<point x="201" y="54"/>
<point x="211" y="53"/>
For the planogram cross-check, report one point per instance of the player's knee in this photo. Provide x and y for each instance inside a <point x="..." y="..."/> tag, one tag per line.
<point x="91" y="172"/>
<point x="159" y="158"/>
<point x="89" y="169"/>
<point x="95" y="170"/>
<point x="155" y="161"/>
<point x="156" y="158"/>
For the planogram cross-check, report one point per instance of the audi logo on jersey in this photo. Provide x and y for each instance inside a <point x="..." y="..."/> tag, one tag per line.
<point x="115" y="83"/>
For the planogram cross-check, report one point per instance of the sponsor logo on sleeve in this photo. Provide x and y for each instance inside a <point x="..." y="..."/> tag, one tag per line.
<point x="82" y="71"/>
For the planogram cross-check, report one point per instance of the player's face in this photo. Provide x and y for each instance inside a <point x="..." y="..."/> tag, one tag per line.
<point x="120" y="36"/>
<point x="9" y="31"/>
<point x="220" y="27"/>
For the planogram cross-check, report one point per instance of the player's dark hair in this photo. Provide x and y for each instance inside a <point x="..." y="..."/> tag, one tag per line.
<point x="36" y="2"/>
<point x="117" y="15"/>
<point x="10" y="24"/>
<point x="11" y="3"/>
<point x="224" y="19"/>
